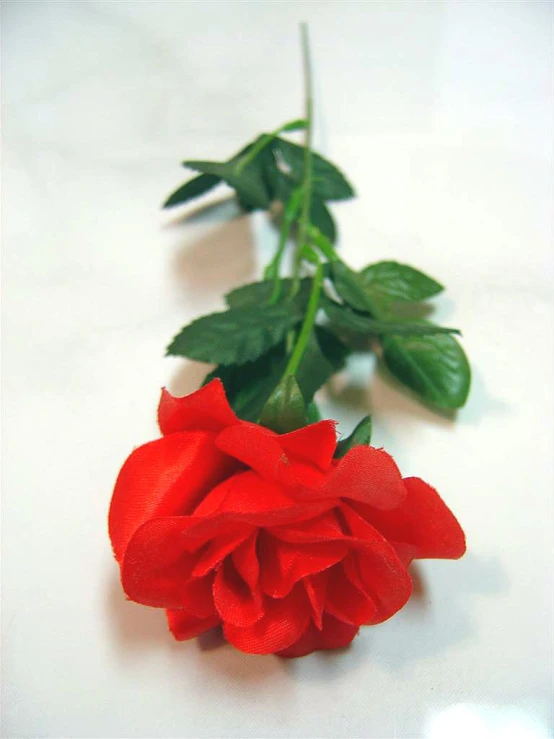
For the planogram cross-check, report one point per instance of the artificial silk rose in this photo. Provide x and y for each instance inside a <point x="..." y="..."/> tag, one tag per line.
<point x="222" y="521"/>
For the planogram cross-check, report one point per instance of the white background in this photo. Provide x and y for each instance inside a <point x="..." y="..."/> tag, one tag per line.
<point x="441" y="114"/>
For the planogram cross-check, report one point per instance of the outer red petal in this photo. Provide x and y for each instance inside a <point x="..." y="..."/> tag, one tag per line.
<point x="437" y="532"/>
<point x="284" y="622"/>
<point x="165" y="477"/>
<point x="206" y="409"/>
<point x="236" y="603"/>
<point x="369" y="475"/>
<point x="421" y="527"/>
<point x="313" y="444"/>
<point x="245" y="492"/>
<point x="184" y="625"/>
<point x="335" y="634"/>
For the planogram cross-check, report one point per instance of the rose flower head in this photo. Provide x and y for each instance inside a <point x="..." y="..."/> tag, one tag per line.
<point x="290" y="550"/>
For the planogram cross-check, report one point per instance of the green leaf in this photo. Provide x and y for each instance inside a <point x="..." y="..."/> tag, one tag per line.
<point x="435" y="367"/>
<point x="324" y="356"/>
<point x="322" y="219"/>
<point x="249" y="385"/>
<point x="328" y="181"/>
<point x="192" y="189"/>
<point x="351" y="288"/>
<point x="388" y="282"/>
<point x="341" y="316"/>
<point x="361" y="436"/>
<point x="286" y="409"/>
<point x="314" y="414"/>
<point x="257" y="294"/>
<point x="250" y="184"/>
<point x="235" y="336"/>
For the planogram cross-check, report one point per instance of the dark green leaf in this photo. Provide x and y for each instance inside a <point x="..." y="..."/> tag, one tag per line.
<point x="286" y="409"/>
<point x="250" y="184"/>
<point x="361" y="436"/>
<point x="235" y="336"/>
<point x="249" y="385"/>
<point x="192" y="189"/>
<point x="351" y="288"/>
<point x="324" y="356"/>
<point x="256" y="294"/>
<point x="341" y="316"/>
<point x="388" y="282"/>
<point x="322" y="219"/>
<point x="328" y="182"/>
<point x="435" y="367"/>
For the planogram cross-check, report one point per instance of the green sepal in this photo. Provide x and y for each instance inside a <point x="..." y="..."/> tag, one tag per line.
<point x="361" y="436"/>
<point x="286" y="408"/>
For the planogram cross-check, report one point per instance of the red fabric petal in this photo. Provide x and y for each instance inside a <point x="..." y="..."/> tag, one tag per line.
<point x="164" y="477"/>
<point x="184" y="625"/>
<point x="261" y="450"/>
<point x="383" y="575"/>
<point x="285" y="620"/>
<point x="284" y="564"/>
<point x="245" y="492"/>
<point x="197" y="596"/>
<point x="160" y="557"/>
<point x="217" y="550"/>
<point x="236" y="603"/>
<point x="316" y="590"/>
<point x="437" y="532"/>
<point x="369" y="475"/>
<point x="313" y="444"/>
<point x="422" y="522"/>
<point x="347" y="602"/>
<point x="334" y="634"/>
<point x="206" y="409"/>
<point x="319" y="528"/>
<point x="245" y="559"/>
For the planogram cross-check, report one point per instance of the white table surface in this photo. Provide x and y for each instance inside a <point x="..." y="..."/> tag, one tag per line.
<point x="441" y="114"/>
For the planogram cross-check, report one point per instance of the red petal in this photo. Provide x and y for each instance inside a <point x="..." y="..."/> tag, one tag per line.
<point x="383" y="575"/>
<point x="335" y="634"/>
<point x="162" y="478"/>
<point x="437" y="532"/>
<point x="217" y="550"/>
<point x="320" y="528"/>
<point x="245" y="492"/>
<point x="245" y="559"/>
<point x="284" y="564"/>
<point x="423" y="522"/>
<point x="369" y="475"/>
<point x="285" y="620"/>
<point x="316" y="590"/>
<point x="184" y="625"/>
<point x="261" y="450"/>
<point x="313" y="444"/>
<point x="206" y="409"/>
<point x="347" y="602"/>
<point x="197" y="594"/>
<point x="236" y="603"/>
<point x="159" y="559"/>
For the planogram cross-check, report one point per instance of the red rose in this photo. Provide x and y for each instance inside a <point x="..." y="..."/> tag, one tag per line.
<point x="225" y="522"/>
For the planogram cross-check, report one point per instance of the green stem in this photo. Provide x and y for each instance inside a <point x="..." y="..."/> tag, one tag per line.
<point x="309" y="321"/>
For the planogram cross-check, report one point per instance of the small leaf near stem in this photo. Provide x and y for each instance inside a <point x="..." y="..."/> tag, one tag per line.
<point x="265" y="140"/>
